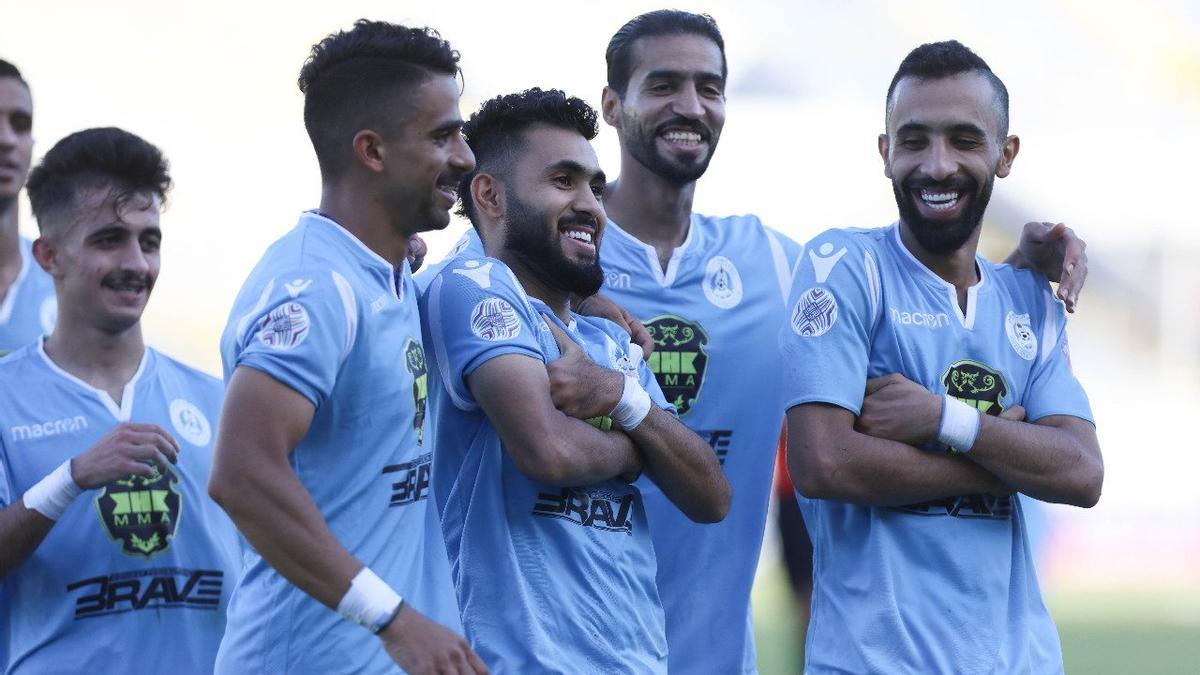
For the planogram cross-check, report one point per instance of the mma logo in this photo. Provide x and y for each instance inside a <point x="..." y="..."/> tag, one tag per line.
<point x="414" y="361"/>
<point x="141" y="512"/>
<point x="679" y="359"/>
<point x="977" y="385"/>
<point x="601" y="508"/>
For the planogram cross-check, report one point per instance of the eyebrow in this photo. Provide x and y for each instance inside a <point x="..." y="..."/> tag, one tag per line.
<point x="964" y="128"/>
<point x="448" y="126"/>
<point x="680" y="75"/>
<point x="572" y="166"/>
<point x="121" y="228"/>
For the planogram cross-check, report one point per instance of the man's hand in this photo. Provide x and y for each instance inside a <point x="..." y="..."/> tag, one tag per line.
<point x="578" y="386"/>
<point x="416" y="252"/>
<point x="1054" y="250"/>
<point x="600" y="306"/>
<point x="129" y="449"/>
<point x="898" y="409"/>
<point x="422" y="647"/>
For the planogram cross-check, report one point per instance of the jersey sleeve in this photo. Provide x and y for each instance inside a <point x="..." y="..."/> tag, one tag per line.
<point x="832" y="309"/>
<point x="1053" y="388"/>
<point x="299" y="331"/>
<point x="475" y="313"/>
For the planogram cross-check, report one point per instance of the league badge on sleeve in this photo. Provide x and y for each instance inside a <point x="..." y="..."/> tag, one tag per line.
<point x="815" y="312"/>
<point x="285" y="327"/>
<point x="1020" y="335"/>
<point x="494" y="320"/>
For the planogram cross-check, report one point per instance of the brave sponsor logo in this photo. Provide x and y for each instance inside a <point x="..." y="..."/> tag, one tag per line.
<point x="153" y="588"/>
<point x="66" y="425"/>
<point x="679" y="359"/>
<point x="596" y="507"/>
<point x="414" y="361"/>
<point x="141" y="512"/>
<point x="411" y="482"/>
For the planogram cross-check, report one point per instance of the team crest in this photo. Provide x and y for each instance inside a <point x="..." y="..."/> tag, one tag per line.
<point x="815" y="312"/>
<point x="285" y="327"/>
<point x="1020" y="335"/>
<point x="722" y="283"/>
<point x="976" y="385"/>
<point x="190" y="423"/>
<point x="493" y="319"/>
<point x="141" y="512"/>
<point x="414" y="361"/>
<point x="679" y="359"/>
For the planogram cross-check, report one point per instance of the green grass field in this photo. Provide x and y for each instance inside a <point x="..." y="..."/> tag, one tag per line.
<point x="1118" y="632"/>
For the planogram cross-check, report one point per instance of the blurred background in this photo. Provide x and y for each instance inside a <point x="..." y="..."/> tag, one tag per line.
<point x="1105" y="97"/>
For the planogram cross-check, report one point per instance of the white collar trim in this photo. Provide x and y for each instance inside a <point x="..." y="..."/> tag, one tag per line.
<point x="967" y="319"/>
<point x="667" y="277"/>
<point x="123" y="411"/>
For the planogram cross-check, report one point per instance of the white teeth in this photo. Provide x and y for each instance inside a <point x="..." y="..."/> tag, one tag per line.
<point x="585" y="237"/>
<point x="689" y="137"/>
<point x="940" y="201"/>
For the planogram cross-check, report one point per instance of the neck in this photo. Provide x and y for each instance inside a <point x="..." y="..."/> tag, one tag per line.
<point x="107" y="361"/>
<point x="956" y="267"/>
<point x="557" y="299"/>
<point x="650" y="208"/>
<point x="10" y="246"/>
<point x="363" y="216"/>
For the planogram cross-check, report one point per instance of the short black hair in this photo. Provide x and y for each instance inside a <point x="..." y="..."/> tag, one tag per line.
<point x="938" y="60"/>
<point x="105" y="158"/>
<point x="358" y="79"/>
<point x="661" y="22"/>
<point x="494" y="131"/>
<point x="7" y="69"/>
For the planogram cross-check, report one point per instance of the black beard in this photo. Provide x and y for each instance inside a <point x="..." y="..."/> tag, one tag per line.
<point x="541" y="253"/>
<point x="643" y="149"/>
<point x="942" y="237"/>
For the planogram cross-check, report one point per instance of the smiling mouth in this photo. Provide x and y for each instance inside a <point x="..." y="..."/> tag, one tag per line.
<point x="687" y="139"/>
<point x="939" y="201"/>
<point x="581" y="235"/>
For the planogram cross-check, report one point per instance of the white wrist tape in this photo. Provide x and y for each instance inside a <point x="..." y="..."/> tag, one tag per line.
<point x="53" y="494"/>
<point x="959" y="426"/>
<point x="370" y="602"/>
<point x="633" y="406"/>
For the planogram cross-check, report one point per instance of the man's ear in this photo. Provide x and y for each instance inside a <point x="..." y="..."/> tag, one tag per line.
<point x="883" y="153"/>
<point x="487" y="193"/>
<point x="369" y="150"/>
<point x="1008" y="155"/>
<point x="610" y="107"/>
<point x="46" y="253"/>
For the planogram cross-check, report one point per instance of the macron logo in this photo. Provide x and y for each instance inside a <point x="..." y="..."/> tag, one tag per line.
<point x="66" y="425"/>
<point x="939" y="320"/>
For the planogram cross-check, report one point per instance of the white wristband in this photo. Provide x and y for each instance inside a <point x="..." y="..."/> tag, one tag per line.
<point x="370" y="602"/>
<point x="633" y="406"/>
<point x="960" y="424"/>
<point x="53" y="494"/>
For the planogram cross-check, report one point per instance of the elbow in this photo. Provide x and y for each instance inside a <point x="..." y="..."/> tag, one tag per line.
<point x="715" y="506"/>
<point x="547" y="461"/>
<point x="1090" y="487"/>
<point x="812" y="469"/>
<point x="227" y="488"/>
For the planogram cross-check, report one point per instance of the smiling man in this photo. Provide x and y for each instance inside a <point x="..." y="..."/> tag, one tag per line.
<point x="548" y="541"/>
<point x="111" y="553"/>
<point x="27" y="305"/>
<point x="321" y="458"/>
<point x="921" y="553"/>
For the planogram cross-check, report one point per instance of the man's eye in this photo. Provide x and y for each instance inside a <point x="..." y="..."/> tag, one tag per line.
<point x="912" y="143"/>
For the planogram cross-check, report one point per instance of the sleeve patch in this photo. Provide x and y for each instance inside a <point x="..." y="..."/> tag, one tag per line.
<point x="285" y="327"/>
<point x="815" y="312"/>
<point x="494" y="320"/>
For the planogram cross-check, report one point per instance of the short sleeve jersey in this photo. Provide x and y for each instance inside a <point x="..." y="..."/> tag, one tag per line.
<point x="946" y="586"/>
<point x="327" y="317"/>
<point x="28" y="309"/>
<point x="550" y="579"/>
<point x="139" y="571"/>
<point x="714" y="315"/>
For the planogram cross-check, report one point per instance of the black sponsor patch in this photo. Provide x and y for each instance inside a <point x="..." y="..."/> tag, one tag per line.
<point x="414" y="361"/>
<point x="679" y="359"/>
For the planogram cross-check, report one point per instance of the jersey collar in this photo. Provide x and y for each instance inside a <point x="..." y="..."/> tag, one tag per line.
<point x="667" y="277"/>
<point x="967" y="318"/>
<point x="399" y="276"/>
<point x="121" y="411"/>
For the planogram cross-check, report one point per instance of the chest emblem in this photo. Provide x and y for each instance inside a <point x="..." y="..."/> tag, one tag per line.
<point x="141" y="513"/>
<point x="679" y="359"/>
<point x="414" y="361"/>
<point x="977" y="385"/>
<point x="722" y="283"/>
<point x="190" y="423"/>
<point x="1020" y="335"/>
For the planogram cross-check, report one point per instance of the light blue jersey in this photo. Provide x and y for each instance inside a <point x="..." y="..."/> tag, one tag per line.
<point x="136" y="575"/>
<point x="946" y="586"/>
<point x="326" y="316"/>
<point x="28" y="310"/>
<point x="715" y="315"/>
<point x="550" y="579"/>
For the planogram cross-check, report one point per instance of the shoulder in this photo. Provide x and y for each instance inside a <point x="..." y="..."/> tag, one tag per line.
<point x="15" y="365"/>
<point x="195" y="377"/>
<point x="476" y="276"/>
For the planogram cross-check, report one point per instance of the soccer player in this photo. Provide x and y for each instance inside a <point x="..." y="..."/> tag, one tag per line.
<point x="27" y="305"/>
<point x="922" y="562"/>
<point x="111" y="552"/>
<point x="548" y="541"/>
<point x="320" y="457"/>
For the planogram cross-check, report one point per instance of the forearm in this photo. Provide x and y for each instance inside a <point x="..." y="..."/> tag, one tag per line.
<point x="271" y="507"/>
<point x="583" y="454"/>
<point x="22" y="530"/>
<point x="683" y="466"/>
<point x="1045" y="462"/>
